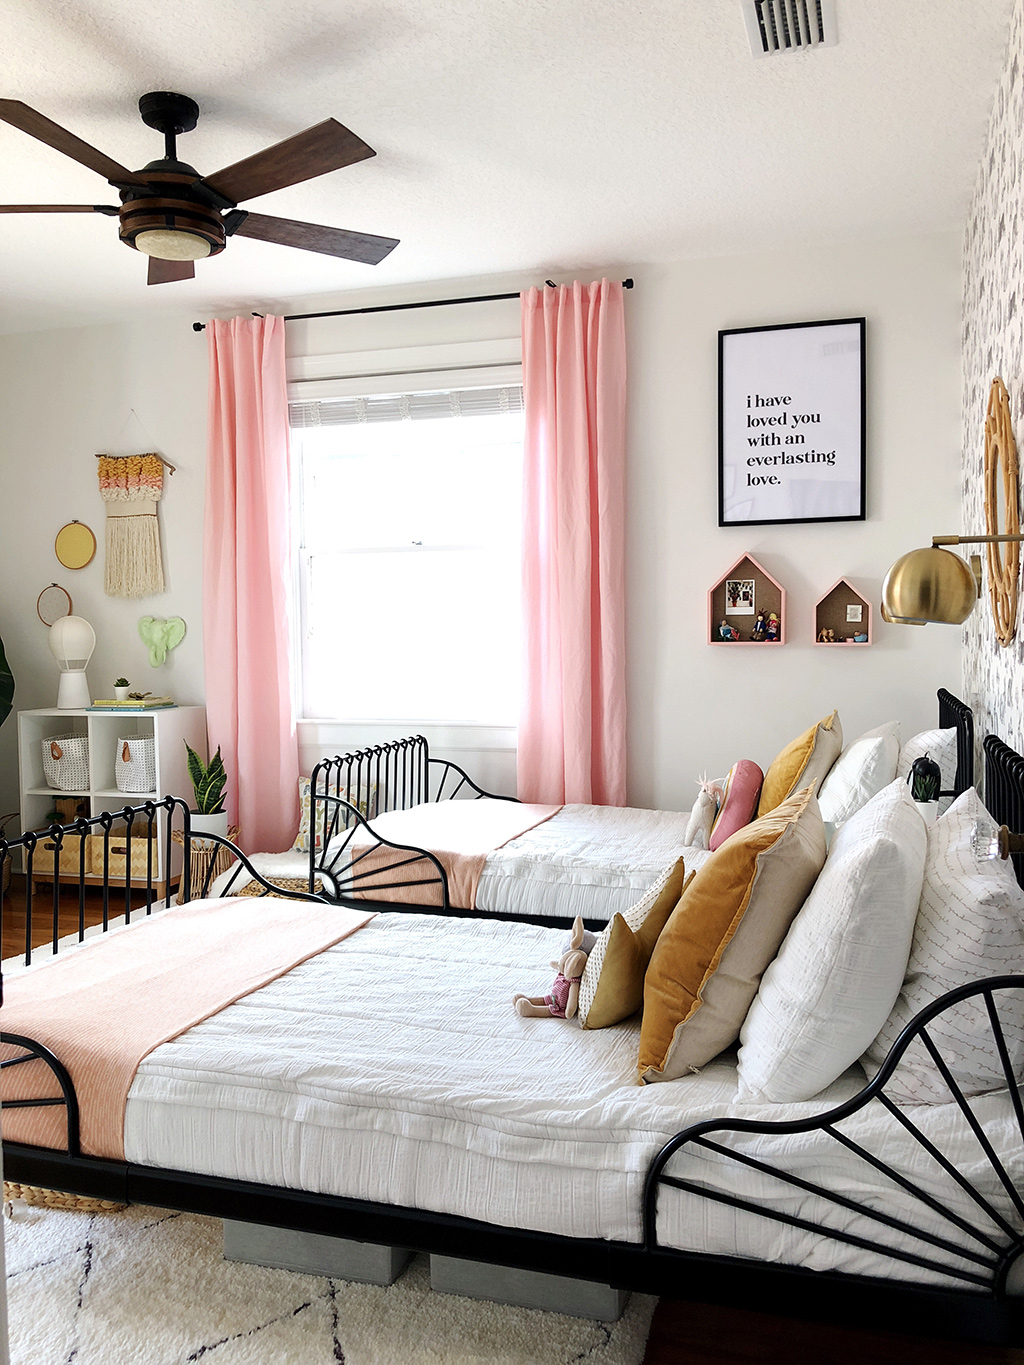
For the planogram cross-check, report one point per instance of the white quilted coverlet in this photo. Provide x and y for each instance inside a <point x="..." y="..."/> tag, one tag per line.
<point x="393" y="1068"/>
<point x="586" y="860"/>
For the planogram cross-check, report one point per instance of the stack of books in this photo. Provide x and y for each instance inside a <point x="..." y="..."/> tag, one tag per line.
<point x="145" y="704"/>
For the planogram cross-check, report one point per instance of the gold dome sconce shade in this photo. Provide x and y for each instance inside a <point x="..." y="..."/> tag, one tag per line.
<point x="933" y="584"/>
<point x="1001" y="480"/>
<point x="930" y="585"/>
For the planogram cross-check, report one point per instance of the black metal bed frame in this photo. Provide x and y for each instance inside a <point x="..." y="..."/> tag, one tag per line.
<point x="956" y="713"/>
<point x="350" y="790"/>
<point x="982" y="1256"/>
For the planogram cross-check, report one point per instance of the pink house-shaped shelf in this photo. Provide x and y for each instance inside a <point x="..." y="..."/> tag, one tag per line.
<point x="834" y="611"/>
<point x="738" y="596"/>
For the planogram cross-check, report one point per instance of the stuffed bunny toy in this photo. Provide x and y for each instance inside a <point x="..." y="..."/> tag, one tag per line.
<point x="561" y="1003"/>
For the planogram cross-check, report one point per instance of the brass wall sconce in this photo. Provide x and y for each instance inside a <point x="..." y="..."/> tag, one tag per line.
<point x="936" y="585"/>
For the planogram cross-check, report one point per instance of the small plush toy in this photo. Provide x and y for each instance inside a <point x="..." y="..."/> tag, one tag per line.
<point x="702" y="817"/>
<point x="771" y="632"/>
<point x="565" y="989"/>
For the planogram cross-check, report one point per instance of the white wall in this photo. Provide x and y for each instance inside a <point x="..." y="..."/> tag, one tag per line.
<point x="693" y="706"/>
<point x="66" y="394"/>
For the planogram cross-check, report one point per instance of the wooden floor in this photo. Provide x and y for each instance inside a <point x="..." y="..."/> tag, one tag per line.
<point x="12" y="918"/>
<point x="701" y="1334"/>
<point x="682" y="1333"/>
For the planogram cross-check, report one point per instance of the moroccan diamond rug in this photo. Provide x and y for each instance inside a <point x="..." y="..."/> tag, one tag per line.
<point x="148" y="1287"/>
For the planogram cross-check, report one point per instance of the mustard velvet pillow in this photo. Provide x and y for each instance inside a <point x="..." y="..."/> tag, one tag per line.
<point x="808" y="758"/>
<point x="728" y="926"/>
<point x="612" y="987"/>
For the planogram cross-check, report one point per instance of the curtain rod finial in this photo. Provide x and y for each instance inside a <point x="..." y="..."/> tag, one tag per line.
<point x="199" y="326"/>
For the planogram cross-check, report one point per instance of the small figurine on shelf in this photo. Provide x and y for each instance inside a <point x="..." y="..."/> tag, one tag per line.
<point x="826" y="636"/>
<point x="760" y="626"/>
<point x="727" y="632"/>
<point x="860" y="639"/>
<point x="771" y="630"/>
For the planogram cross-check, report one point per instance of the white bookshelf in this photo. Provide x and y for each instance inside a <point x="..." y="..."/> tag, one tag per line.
<point x="170" y="728"/>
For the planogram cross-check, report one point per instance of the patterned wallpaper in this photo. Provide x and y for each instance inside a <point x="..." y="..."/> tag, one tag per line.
<point x="993" y="343"/>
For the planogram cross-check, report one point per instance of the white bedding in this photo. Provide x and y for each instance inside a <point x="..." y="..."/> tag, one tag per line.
<point x="586" y="860"/>
<point x="393" y="1068"/>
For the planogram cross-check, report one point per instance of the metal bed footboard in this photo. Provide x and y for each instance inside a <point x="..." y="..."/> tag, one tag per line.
<point x="991" y="1241"/>
<point x="350" y="790"/>
<point x="122" y="831"/>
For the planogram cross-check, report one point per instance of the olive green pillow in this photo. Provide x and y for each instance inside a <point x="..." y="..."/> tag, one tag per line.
<point x="613" y="980"/>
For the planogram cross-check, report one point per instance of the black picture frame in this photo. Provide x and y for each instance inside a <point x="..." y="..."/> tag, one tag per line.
<point x="859" y="502"/>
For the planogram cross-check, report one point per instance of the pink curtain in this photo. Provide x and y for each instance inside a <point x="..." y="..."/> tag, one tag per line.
<point x="246" y="578"/>
<point x="572" y="729"/>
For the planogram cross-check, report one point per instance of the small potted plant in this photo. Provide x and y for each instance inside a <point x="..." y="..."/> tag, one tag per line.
<point x="208" y="783"/>
<point x="121" y="686"/>
<point x="925" y="783"/>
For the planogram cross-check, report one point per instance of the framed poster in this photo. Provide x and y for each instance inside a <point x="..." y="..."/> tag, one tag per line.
<point x="791" y="423"/>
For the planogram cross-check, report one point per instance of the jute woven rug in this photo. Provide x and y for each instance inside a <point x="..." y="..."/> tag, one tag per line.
<point x="148" y="1287"/>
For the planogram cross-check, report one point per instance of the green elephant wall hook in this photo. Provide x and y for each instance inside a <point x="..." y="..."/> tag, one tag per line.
<point x="159" y="635"/>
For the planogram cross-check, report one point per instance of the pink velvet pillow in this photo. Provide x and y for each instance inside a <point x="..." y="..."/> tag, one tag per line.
<point x="739" y="804"/>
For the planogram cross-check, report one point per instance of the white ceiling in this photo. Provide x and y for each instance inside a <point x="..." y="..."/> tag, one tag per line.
<point x="511" y="135"/>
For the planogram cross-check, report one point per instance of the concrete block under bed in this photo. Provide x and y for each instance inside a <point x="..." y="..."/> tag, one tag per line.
<point x="312" y="1253"/>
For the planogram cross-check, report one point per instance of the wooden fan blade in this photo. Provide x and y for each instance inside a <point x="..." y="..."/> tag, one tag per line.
<point x="108" y="209"/>
<point x="38" y="126"/>
<point x="325" y="147"/>
<point x="166" y="272"/>
<point x="351" y="246"/>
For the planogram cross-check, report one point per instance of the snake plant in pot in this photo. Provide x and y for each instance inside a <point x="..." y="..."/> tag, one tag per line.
<point x="208" y="783"/>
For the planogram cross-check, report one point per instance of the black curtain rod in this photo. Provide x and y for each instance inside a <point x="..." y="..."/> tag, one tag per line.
<point x="400" y="307"/>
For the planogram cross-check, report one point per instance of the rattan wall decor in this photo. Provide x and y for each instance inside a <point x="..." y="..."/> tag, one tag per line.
<point x="1002" y="475"/>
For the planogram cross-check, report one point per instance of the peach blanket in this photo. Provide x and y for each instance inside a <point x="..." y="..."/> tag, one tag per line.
<point x="104" y="1007"/>
<point x="460" y="834"/>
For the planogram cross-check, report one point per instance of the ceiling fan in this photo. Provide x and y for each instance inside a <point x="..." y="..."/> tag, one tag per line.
<point x="176" y="216"/>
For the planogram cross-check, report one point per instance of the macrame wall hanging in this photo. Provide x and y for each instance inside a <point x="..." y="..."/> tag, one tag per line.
<point x="131" y="486"/>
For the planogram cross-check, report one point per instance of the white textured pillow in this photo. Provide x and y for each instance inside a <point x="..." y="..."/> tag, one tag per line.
<point x="861" y="771"/>
<point x="839" y="970"/>
<point x="970" y="926"/>
<point x="939" y="745"/>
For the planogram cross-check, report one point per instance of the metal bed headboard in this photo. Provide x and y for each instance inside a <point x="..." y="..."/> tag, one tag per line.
<point x="1004" y="791"/>
<point x="954" y="713"/>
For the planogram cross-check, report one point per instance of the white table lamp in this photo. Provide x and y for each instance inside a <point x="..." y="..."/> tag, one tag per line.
<point x="72" y="641"/>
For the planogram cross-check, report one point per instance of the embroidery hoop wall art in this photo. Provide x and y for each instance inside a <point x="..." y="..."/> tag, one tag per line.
<point x="791" y="423"/>
<point x="74" y="545"/>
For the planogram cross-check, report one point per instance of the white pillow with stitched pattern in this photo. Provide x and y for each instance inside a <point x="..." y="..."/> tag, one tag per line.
<point x="937" y="744"/>
<point x="970" y="926"/>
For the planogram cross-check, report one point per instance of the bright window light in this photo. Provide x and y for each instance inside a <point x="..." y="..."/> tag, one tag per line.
<point x="410" y="561"/>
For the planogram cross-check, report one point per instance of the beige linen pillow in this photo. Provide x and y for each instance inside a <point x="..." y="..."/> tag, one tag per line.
<point x="806" y="759"/>
<point x="612" y="987"/>
<point x="722" y="935"/>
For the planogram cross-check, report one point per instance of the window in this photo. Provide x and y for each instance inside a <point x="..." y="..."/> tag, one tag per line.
<point x="410" y="555"/>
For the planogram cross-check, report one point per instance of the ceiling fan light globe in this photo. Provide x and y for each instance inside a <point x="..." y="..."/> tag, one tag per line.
<point x="929" y="585"/>
<point x="172" y="244"/>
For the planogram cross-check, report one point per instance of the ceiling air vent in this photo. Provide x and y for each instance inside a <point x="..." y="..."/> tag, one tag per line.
<point x="789" y="25"/>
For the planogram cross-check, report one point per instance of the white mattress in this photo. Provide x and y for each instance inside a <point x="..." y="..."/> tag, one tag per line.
<point x="586" y="860"/>
<point x="393" y="1068"/>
